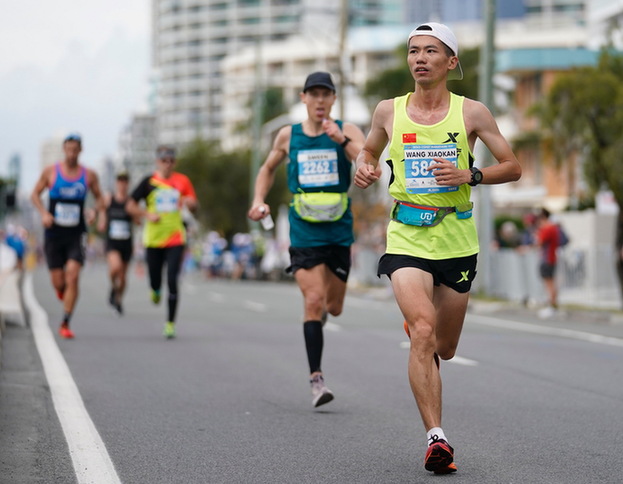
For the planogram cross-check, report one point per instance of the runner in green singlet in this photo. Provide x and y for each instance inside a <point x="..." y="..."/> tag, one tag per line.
<point x="319" y="152"/>
<point x="432" y="242"/>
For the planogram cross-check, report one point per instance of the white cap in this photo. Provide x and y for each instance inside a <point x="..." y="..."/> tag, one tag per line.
<point x="445" y="35"/>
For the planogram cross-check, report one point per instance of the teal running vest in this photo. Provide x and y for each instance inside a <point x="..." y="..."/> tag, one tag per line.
<point x="318" y="164"/>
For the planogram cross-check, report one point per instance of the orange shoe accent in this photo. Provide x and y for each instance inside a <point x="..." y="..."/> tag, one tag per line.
<point x="65" y="332"/>
<point x="60" y="294"/>
<point x="449" y="469"/>
<point x="439" y="456"/>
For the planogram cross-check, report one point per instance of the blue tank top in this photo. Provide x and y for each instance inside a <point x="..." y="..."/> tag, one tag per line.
<point x="318" y="164"/>
<point x="66" y="203"/>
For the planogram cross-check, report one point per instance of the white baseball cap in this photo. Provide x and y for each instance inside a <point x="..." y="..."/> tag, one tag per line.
<point x="445" y="35"/>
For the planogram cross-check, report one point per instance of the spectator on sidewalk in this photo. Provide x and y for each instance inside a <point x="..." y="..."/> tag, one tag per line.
<point x="548" y="240"/>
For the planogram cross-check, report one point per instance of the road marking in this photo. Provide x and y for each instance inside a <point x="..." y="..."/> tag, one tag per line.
<point x="189" y="288"/>
<point x="536" y="329"/>
<point x="215" y="297"/>
<point x="459" y="360"/>
<point x="255" y="306"/>
<point x="89" y="456"/>
<point x="329" y="326"/>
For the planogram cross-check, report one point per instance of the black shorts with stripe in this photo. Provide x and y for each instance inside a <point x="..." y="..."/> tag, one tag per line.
<point x="336" y="257"/>
<point x="457" y="273"/>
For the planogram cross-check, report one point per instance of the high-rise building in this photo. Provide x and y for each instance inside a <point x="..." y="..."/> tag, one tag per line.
<point x="419" y="11"/>
<point x="137" y="146"/>
<point x="192" y="37"/>
<point x="51" y="150"/>
<point x="605" y="22"/>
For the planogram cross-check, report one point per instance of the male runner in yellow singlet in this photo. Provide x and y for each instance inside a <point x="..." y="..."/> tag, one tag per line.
<point x="432" y="242"/>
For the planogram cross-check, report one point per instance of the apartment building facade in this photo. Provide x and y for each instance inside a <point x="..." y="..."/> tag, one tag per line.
<point x="192" y="37"/>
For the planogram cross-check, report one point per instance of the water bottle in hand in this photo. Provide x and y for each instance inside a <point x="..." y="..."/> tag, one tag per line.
<point x="267" y="222"/>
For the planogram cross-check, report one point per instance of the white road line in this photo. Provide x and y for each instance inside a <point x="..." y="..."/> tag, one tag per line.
<point x="537" y="329"/>
<point x="216" y="297"/>
<point x="329" y="326"/>
<point x="89" y="456"/>
<point x="458" y="360"/>
<point x="255" y="306"/>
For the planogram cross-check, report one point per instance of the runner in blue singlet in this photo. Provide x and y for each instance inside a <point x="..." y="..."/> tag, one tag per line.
<point x="65" y="222"/>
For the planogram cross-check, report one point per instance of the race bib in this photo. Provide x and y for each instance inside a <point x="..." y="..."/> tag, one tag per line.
<point x="66" y="214"/>
<point x="418" y="179"/>
<point x="167" y="200"/>
<point x="318" y="168"/>
<point x="119" y="230"/>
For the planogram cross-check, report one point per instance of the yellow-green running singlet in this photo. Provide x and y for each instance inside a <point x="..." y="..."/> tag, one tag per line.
<point x="411" y="150"/>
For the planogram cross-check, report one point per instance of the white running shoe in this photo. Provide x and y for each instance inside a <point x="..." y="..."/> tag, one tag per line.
<point x="320" y="393"/>
<point x="547" y="312"/>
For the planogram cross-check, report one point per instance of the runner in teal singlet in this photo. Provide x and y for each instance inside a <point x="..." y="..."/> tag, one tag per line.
<point x="319" y="152"/>
<point x="432" y="242"/>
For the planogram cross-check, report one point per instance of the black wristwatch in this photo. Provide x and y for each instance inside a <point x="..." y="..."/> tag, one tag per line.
<point x="476" y="176"/>
<point x="345" y="142"/>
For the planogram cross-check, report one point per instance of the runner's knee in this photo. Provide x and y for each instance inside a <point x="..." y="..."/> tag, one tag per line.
<point x="422" y="333"/>
<point x="314" y="301"/>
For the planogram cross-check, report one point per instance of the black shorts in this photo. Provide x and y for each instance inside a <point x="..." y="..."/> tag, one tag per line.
<point x="58" y="250"/>
<point x="457" y="273"/>
<point x="336" y="257"/>
<point x="124" y="247"/>
<point x="547" y="270"/>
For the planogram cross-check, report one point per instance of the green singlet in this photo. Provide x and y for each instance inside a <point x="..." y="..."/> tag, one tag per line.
<point x="410" y="150"/>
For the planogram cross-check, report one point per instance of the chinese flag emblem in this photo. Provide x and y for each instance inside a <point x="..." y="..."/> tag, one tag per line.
<point x="409" y="138"/>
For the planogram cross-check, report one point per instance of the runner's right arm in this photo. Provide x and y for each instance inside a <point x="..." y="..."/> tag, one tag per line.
<point x="47" y="219"/>
<point x="368" y="168"/>
<point x="140" y="193"/>
<point x="266" y="174"/>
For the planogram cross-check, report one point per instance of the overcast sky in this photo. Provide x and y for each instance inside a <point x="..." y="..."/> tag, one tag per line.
<point x="67" y="65"/>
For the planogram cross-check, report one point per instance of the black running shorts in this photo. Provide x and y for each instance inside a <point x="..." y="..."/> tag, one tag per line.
<point x="58" y="250"/>
<point x="124" y="247"/>
<point x="457" y="273"/>
<point x="547" y="271"/>
<point x="336" y="257"/>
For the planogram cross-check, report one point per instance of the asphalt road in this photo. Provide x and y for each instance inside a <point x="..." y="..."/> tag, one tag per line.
<point x="228" y="400"/>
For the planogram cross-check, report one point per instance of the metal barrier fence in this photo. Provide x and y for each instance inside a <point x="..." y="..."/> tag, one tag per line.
<point x="585" y="277"/>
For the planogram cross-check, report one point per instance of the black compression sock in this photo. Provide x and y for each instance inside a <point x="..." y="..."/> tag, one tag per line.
<point x="314" y="342"/>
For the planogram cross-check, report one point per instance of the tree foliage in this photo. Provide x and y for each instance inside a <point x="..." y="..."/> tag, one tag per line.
<point x="221" y="181"/>
<point x="583" y="113"/>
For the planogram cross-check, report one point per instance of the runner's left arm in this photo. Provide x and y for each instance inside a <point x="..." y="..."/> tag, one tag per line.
<point x="100" y="204"/>
<point x="481" y="123"/>
<point x="189" y="197"/>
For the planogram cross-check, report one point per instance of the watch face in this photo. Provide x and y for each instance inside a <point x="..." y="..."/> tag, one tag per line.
<point x="476" y="176"/>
